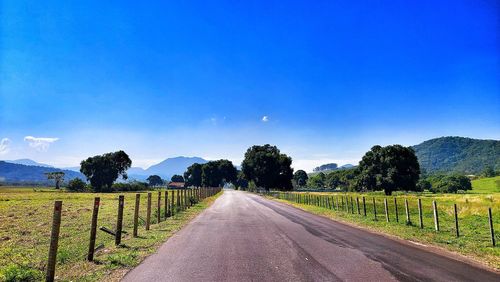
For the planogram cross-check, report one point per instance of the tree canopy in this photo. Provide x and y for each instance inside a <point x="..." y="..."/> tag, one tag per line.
<point x="193" y="175"/>
<point x="267" y="167"/>
<point x="57" y="176"/>
<point x="154" y="180"/>
<point x="103" y="170"/>
<point x="389" y="168"/>
<point x="300" y="177"/>
<point x="217" y="173"/>
<point x="177" y="178"/>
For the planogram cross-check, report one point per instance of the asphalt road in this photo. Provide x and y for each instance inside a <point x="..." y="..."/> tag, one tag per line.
<point x="244" y="237"/>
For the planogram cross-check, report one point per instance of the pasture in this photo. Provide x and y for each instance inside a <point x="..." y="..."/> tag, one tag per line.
<point x="474" y="238"/>
<point x="25" y="228"/>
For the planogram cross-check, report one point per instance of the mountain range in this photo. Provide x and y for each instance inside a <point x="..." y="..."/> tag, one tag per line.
<point x="458" y="154"/>
<point x="29" y="171"/>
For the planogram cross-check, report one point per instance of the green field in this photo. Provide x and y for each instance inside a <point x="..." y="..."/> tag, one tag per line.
<point x="474" y="240"/>
<point x="486" y="185"/>
<point x="25" y="226"/>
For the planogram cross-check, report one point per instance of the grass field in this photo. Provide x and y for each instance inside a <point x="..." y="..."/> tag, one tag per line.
<point x="25" y="225"/>
<point x="486" y="185"/>
<point x="474" y="240"/>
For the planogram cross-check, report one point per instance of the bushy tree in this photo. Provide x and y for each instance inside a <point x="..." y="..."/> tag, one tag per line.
<point x="452" y="184"/>
<point x="317" y="181"/>
<point x="177" y="178"/>
<point x="241" y="182"/>
<point x="300" y="177"/>
<point x="267" y="167"/>
<point x="389" y="168"/>
<point x="76" y="185"/>
<point x="103" y="170"/>
<point x="217" y="173"/>
<point x="488" y="172"/>
<point x="423" y="184"/>
<point x="154" y="180"/>
<point x="193" y="175"/>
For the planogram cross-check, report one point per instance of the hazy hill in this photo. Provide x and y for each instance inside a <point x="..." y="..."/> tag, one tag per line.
<point x="18" y="173"/>
<point x="28" y="162"/>
<point x="458" y="154"/>
<point x="171" y="166"/>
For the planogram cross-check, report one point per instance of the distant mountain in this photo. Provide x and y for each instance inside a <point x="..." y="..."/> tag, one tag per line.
<point x="331" y="166"/>
<point x="28" y="162"/>
<point x="326" y="168"/>
<point x="19" y="173"/>
<point x="458" y="154"/>
<point x="73" y="168"/>
<point x="171" y="166"/>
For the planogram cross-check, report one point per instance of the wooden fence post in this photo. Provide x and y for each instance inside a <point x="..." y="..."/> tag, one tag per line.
<point x="420" y="216"/>
<point x="492" y="231"/>
<point x="456" y="220"/>
<point x="158" y="214"/>
<point x="166" y="205"/>
<point x="396" y="209"/>
<point x="178" y="200"/>
<point x="54" y="241"/>
<point x="436" y="216"/>
<point x="364" y="206"/>
<point x="93" y="229"/>
<point x="136" y="213"/>
<point x="148" y="212"/>
<point x="357" y="205"/>
<point x="172" y="204"/>
<point x="119" y="220"/>
<point x="352" y="206"/>
<point x="407" y="209"/>
<point x="386" y="210"/>
<point x="374" y="209"/>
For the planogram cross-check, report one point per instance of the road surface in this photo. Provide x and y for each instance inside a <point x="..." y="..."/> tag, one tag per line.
<point x="244" y="237"/>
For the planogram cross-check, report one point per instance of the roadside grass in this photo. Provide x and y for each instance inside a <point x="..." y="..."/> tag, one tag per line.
<point x="474" y="240"/>
<point x="486" y="185"/>
<point x="25" y="226"/>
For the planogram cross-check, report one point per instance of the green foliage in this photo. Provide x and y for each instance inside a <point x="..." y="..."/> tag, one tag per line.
<point x="451" y="184"/>
<point x="300" y="177"/>
<point x="389" y="168"/>
<point x="267" y="167"/>
<point x="458" y="154"/>
<point x="488" y="172"/>
<point x="76" y="185"/>
<point x="131" y="186"/>
<point x="21" y="273"/>
<point x="103" y="170"/>
<point x="423" y="185"/>
<point x="317" y="181"/>
<point x="192" y="176"/>
<point x="217" y="173"/>
<point x="177" y="178"/>
<point x="154" y="180"/>
<point x="241" y="182"/>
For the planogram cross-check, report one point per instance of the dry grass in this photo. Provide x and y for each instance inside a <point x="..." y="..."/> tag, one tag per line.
<point x="25" y="224"/>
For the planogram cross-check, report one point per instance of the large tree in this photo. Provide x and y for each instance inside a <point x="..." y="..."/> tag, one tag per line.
<point x="154" y="180"/>
<point x="57" y="176"/>
<point x="217" y="173"/>
<point x="193" y="175"/>
<point x="177" y="178"/>
<point x="389" y="168"/>
<point x="267" y="167"/>
<point x="103" y="170"/>
<point x="300" y="177"/>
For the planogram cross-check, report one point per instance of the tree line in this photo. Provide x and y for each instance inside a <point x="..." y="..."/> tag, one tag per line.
<point x="390" y="168"/>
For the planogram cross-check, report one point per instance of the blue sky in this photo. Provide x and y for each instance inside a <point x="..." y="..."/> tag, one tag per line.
<point x="159" y="80"/>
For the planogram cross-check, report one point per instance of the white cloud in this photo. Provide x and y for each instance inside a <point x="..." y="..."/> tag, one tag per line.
<point x="265" y="119"/>
<point x="4" y="146"/>
<point x="41" y="144"/>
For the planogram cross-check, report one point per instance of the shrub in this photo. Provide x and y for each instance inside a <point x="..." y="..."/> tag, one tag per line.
<point x="131" y="186"/>
<point x="76" y="185"/>
<point x="23" y="273"/>
<point x="452" y="184"/>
